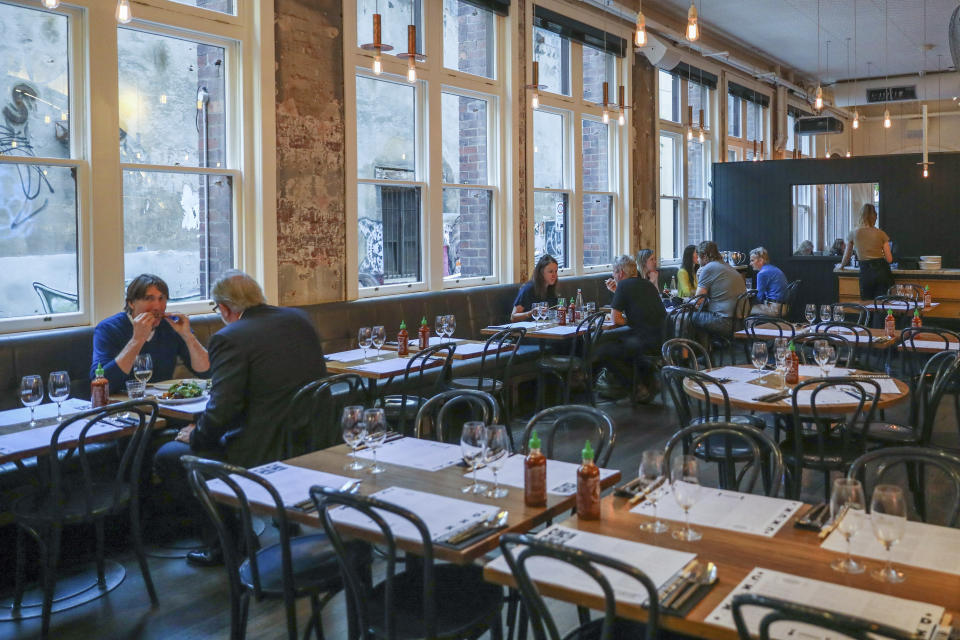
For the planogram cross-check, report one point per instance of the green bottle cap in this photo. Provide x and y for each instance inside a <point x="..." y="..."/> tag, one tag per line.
<point x="926" y="288"/>
<point x="423" y="320"/>
<point x="916" y="313"/>
<point x="403" y="325"/>
<point x="587" y="452"/>
<point x="535" y="441"/>
<point x="889" y="312"/>
<point x="99" y="370"/>
<point x="792" y="346"/>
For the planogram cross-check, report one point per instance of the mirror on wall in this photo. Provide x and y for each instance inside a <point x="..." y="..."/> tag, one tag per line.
<point x="825" y="214"/>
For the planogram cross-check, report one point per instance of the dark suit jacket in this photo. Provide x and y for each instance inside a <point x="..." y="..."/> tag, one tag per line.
<point x="258" y="363"/>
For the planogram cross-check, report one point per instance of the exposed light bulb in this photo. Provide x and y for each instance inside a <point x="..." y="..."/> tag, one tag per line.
<point x="926" y="172"/>
<point x="856" y="119"/>
<point x="606" y="116"/>
<point x="689" y="134"/>
<point x="640" y="35"/>
<point x="535" y="100"/>
<point x="818" y="102"/>
<point x="827" y="155"/>
<point x="50" y="4"/>
<point x="693" y="29"/>
<point x="756" y="158"/>
<point x="377" y="64"/>
<point x="123" y="14"/>
<point x="702" y="137"/>
<point x="412" y="74"/>
<point x="622" y="118"/>
<point x="886" y="119"/>
<point x="848" y="154"/>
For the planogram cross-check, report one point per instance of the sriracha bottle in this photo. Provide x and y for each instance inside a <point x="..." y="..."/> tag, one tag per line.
<point x="890" y="324"/>
<point x="99" y="389"/>
<point x="588" y="486"/>
<point x="535" y="475"/>
<point x="793" y="366"/>
<point x="424" y="333"/>
<point x="403" y="338"/>
<point x="916" y="322"/>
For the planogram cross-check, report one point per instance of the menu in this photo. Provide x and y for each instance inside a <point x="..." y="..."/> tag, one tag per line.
<point x="292" y="483"/>
<point x="561" y="476"/>
<point x="426" y="455"/>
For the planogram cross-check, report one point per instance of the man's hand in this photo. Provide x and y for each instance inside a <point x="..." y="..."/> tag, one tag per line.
<point x="611" y="284"/>
<point x="179" y="322"/>
<point x="143" y="325"/>
<point x="184" y="434"/>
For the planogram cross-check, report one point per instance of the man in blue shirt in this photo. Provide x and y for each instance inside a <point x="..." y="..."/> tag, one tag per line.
<point x="771" y="285"/>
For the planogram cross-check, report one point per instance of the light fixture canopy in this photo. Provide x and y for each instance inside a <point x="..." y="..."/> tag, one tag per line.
<point x="377" y="45"/>
<point x="123" y="12"/>
<point x="640" y="33"/>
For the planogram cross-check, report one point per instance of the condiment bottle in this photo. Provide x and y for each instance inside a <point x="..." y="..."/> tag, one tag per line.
<point x="890" y="324"/>
<point x="561" y="312"/>
<point x="916" y="322"/>
<point x="579" y="305"/>
<point x="927" y="299"/>
<point x="572" y="312"/>
<point x="588" y="486"/>
<point x="99" y="389"/>
<point x="424" y="334"/>
<point x="535" y="475"/>
<point x="792" y="365"/>
<point x="403" y="345"/>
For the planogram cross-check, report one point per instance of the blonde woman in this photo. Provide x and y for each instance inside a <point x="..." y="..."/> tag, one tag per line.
<point x="873" y="250"/>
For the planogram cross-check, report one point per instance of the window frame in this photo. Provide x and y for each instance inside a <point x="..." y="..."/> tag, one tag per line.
<point x="743" y="144"/>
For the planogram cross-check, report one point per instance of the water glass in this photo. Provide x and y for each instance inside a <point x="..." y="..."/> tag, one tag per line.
<point x="781" y="347"/>
<point x="820" y="355"/>
<point x="143" y="367"/>
<point x="685" y="484"/>
<point x="758" y="355"/>
<point x="838" y="315"/>
<point x="888" y="516"/>
<point x="440" y="325"/>
<point x="31" y="394"/>
<point x="826" y="313"/>
<point x="376" y="432"/>
<point x="451" y="326"/>
<point x="495" y="454"/>
<point x="354" y="430"/>
<point x="136" y="389"/>
<point x="651" y="470"/>
<point x="847" y="495"/>
<point x="378" y="336"/>
<point x="810" y="313"/>
<point x="591" y="307"/>
<point x="364" y="340"/>
<point x="473" y="439"/>
<point x="58" y="388"/>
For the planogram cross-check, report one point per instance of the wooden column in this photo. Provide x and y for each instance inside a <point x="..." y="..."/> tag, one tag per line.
<point x="645" y="182"/>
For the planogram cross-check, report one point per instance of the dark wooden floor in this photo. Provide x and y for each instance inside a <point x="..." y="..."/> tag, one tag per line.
<point x="194" y="602"/>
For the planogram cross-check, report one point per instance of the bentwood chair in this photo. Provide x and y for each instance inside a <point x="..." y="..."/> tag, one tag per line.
<point x="788" y="303"/>
<point x="426" y="599"/>
<point x="859" y="338"/>
<point x="496" y="362"/>
<point x="62" y="499"/>
<point x="414" y="389"/>
<point x="441" y="418"/>
<point x="520" y="549"/>
<point x="765" y="329"/>
<point x="580" y="360"/>
<point x="681" y="352"/>
<point x="902" y="307"/>
<point x="564" y="429"/>
<point x="912" y="348"/>
<point x="693" y="411"/>
<point x="317" y="406"/>
<point x="806" y="344"/>
<point x="850" y="309"/>
<point x="784" y="611"/>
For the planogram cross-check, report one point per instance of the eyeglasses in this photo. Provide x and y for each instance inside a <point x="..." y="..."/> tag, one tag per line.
<point x="216" y="307"/>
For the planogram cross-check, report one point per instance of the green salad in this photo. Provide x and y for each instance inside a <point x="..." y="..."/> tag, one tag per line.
<point x="184" y="390"/>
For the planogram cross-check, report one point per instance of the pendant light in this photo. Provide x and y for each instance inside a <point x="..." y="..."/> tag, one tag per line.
<point x="622" y="101"/>
<point x="755" y="157"/>
<point x="123" y="13"/>
<point x="640" y="33"/>
<point x="886" y="64"/>
<point x="50" y="4"/>
<point x="818" y="100"/>
<point x="606" y="101"/>
<point x="856" y="112"/>
<point x="535" y="85"/>
<point x="689" y="123"/>
<point x="693" y="28"/>
<point x="411" y="55"/>
<point x="926" y="157"/>
<point x="377" y="45"/>
<point x="702" y="136"/>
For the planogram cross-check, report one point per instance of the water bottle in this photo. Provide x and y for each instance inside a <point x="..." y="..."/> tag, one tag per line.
<point x="673" y="286"/>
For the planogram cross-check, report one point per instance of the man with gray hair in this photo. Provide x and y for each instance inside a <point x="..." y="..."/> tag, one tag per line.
<point x="722" y="285"/>
<point x="259" y="361"/>
<point x="771" y="286"/>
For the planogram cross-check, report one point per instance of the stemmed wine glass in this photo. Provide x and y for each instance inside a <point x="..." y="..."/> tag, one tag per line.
<point x="758" y="354"/>
<point x="354" y="430"/>
<point x="376" y="425"/>
<point x="685" y="483"/>
<point x="810" y="313"/>
<point x="378" y="337"/>
<point x="838" y="315"/>
<point x="651" y="470"/>
<point x="888" y="515"/>
<point x="450" y="326"/>
<point x="31" y="394"/>
<point x="847" y="495"/>
<point x="473" y="439"/>
<point x="364" y="338"/>
<point x="440" y="324"/>
<point x="143" y="367"/>
<point x="781" y="347"/>
<point x="820" y="355"/>
<point x="826" y="313"/>
<point x="495" y="454"/>
<point x="58" y="388"/>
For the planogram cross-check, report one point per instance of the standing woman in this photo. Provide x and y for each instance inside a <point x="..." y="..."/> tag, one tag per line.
<point x="687" y="274"/>
<point x="873" y="249"/>
<point x="647" y="265"/>
<point x="542" y="287"/>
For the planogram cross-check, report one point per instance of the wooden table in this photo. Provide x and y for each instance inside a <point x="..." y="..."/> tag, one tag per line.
<point x="539" y="331"/>
<point x="879" y="337"/>
<point x="791" y="550"/>
<point x="466" y="349"/>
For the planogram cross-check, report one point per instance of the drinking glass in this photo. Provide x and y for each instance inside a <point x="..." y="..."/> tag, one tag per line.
<point x="451" y="326"/>
<point x="838" y="315"/>
<point x="651" y="470"/>
<point x="364" y="339"/>
<point x="376" y="426"/>
<point x="820" y="355"/>
<point x="473" y="438"/>
<point x="58" y="388"/>
<point x="781" y="347"/>
<point x="591" y="307"/>
<point x="354" y="431"/>
<point x="143" y="367"/>
<point x="440" y="325"/>
<point x="758" y="354"/>
<point x="136" y="390"/>
<point x="685" y="483"/>
<point x="888" y="516"/>
<point x="829" y="360"/>
<point x="31" y="394"/>
<point x="847" y="496"/>
<point x="536" y="313"/>
<point x="810" y="313"/>
<point x="826" y="313"/>
<point x="495" y="454"/>
<point x="378" y="336"/>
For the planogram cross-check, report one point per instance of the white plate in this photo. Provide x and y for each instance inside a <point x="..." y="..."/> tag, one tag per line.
<point x="182" y="400"/>
<point x="166" y="384"/>
<point x="931" y="258"/>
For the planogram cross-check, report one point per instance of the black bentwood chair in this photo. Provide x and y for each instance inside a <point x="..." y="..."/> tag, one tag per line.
<point x="441" y="418"/>
<point x="62" y="499"/>
<point x="414" y="389"/>
<point x="683" y="352"/>
<point x="580" y="360"/>
<point x="496" y="363"/>
<point x="315" y="412"/>
<point x="564" y="429"/>
<point x="426" y="600"/>
<point x="518" y="549"/>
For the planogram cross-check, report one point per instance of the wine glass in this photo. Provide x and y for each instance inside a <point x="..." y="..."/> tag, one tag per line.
<point x="829" y="359"/>
<point x="364" y="338"/>
<point x="376" y="433"/>
<point x="354" y="431"/>
<point x="143" y="367"/>
<point x="651" y="470"/>
<point x="781" y="347"/>
<point x="495" y="454"/>
<point x="473" y="438"/>
<point x="758" y="354"/>
<point x="450" y="326"/>
<point x="838" y="315"/>
<point x="826" y="313"/>
<point x="847" y="495"/>
<point x="888" y="515"/>
<point x="820" y="355"/>
<point x="31" y="394"/>
<point x="440" y="325"/>
<point x="378" y="337"/>
<point x="685" y="483"/>
<point x="810" y="313"/>
<point x="535" y="313"/>
<point x="58" y="388"/>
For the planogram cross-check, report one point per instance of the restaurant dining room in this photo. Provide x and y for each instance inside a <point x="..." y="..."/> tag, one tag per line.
<point x="396" y="319"/>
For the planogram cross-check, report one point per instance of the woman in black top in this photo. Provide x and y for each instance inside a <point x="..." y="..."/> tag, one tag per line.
<point x="542" y="287"/>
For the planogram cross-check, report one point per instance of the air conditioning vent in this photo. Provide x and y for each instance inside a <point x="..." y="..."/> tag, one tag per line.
<point x="892" y="94"/>
<point x="817" y="125"/>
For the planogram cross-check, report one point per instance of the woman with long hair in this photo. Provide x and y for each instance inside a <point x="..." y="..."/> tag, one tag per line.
<point x="647" y="266"/>
<point x="542" y="287"/>
<point x="873" y="249"/>
<point x="687" y="274"/>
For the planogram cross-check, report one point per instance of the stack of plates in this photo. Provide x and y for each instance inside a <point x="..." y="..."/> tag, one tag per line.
<point x="930" y="262"/>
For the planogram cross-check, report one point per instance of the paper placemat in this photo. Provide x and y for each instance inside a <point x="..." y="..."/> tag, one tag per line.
<point x="813" y="371"/>
<point x="722" y="509"/>
<point x="292" y="483"/>
<point x="561" y="476"/>
<point x="911" y="616"/>
<point x="523" y="324"/>
<point x="824" y="398"/>
<point x="560" y="330"/>
<point x="933" y="344"/>
<point x="395" y="365"/>
<point x="416" y="453"/>
<point x="737" y="374"/>
<point x="743" y="391"/>
<point x="477" y="348"/>
<point x="38" y="437"/>
<point x="48" y="411"/>
<point x="349" y="356"/>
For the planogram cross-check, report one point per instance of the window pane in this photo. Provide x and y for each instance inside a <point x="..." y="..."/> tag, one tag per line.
<point x="698" y="168"/>
<point x="550" y="220"/>
<point x="464" y="139"/>
<point x="790" y="134"/>
<point x="386" y="129"/>
<point x="598" y="67"/>
<point x="389" y="234"/>
<point x="553" y="55"/>
<point x="698" y="98"/>
<point x="597" y="230"/>
<point x="180" y="227"/>
<point x="395" y="16"/>
<point x="669" y="159"/>
<point x="38" y="246"/>
<point x="163" y="81"/>
<point x="698" y="221"/>
<point x="34" y="83"/>
<point x="596" y="156"/>
<point x="548" y="150"/>
<point x="670" y="229"/>
<point x="754" y="121"/>
<point x="733" y="116"/>
<point x="469" y="43"/>
<point x="732" y="155"/>
<point x="222" y="6"/>
<point x="467" y="233"/>
<point x="669" y="97"/>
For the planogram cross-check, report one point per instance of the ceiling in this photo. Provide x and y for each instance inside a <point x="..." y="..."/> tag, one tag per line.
<point x="786" y="31"/>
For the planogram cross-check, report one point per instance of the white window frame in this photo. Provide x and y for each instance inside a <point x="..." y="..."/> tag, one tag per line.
<point x="742" y="143"/>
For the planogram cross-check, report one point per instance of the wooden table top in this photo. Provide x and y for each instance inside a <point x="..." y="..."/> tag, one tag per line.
<point x="772" y="382"/>
<point x="336" y="366"/>
<point x="791" y="550"/>
<point x="538" y="333"/>
<point x="459" y="353"/>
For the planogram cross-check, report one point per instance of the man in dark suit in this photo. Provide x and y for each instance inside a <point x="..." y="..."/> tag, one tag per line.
<point x="258" y="362"/>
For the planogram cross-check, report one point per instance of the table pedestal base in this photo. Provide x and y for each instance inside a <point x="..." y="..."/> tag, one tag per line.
<point x="73" y="589"/>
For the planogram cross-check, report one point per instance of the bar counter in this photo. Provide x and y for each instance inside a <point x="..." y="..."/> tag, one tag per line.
<point x="944" y="287"/>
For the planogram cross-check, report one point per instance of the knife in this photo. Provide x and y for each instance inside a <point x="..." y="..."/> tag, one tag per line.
<point x="640" y="496"/>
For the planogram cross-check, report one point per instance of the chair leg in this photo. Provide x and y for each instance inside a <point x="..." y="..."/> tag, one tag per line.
<point x="50" y="578"/>
<point x="496" y="627"/>
<point x="98" y="527"/>
<point x="137" y="534"/>
<point x="239" y="608"/>
<point x="583" y="614"/>
<point x="315" y="623"/>
<point x="21" y="561"/>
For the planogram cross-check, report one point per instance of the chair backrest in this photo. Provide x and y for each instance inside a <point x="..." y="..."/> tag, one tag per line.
<point x="767" y="323"/>
<point x="857" y="335"/>
<point x="805" y="344"/>
<point x="419" y="364"/>
<point x="786" y="611"/>
<point x="326" y="500"/>
<point x="902" y="306"/>
<point x="729" y="439"/>
<point x="140" y="414"/>
<point x="589" y="331"/>
<point x="813" y="427"/>
<point x="850" y="308"/>
<point x="742" y="308"/>
<point x="688" y="408"/>
<point x="938" y="376"/>
<point x="498" y="353"/>
<point x="315" y="408"/>
<point x="541" y="619"/>
<point x="434" y="417"/>
<point x="911" y="357"/>
<point x="789" y="300"/>
<point x="682" y="352"/>
<point x="882" y="461"/>
<point x="572" y="423"/>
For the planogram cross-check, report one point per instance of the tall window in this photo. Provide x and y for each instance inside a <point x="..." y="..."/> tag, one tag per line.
<point x="747" y="127"/>
<point x="795" y="141"/>
<point x="426" y="196"/>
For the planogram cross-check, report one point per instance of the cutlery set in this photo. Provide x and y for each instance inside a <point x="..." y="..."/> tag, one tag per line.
<point x="491" y="523"/>
<point x="308" y="505"/>
<point x="685" y="584"/>
<point x="815" y="517"/>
